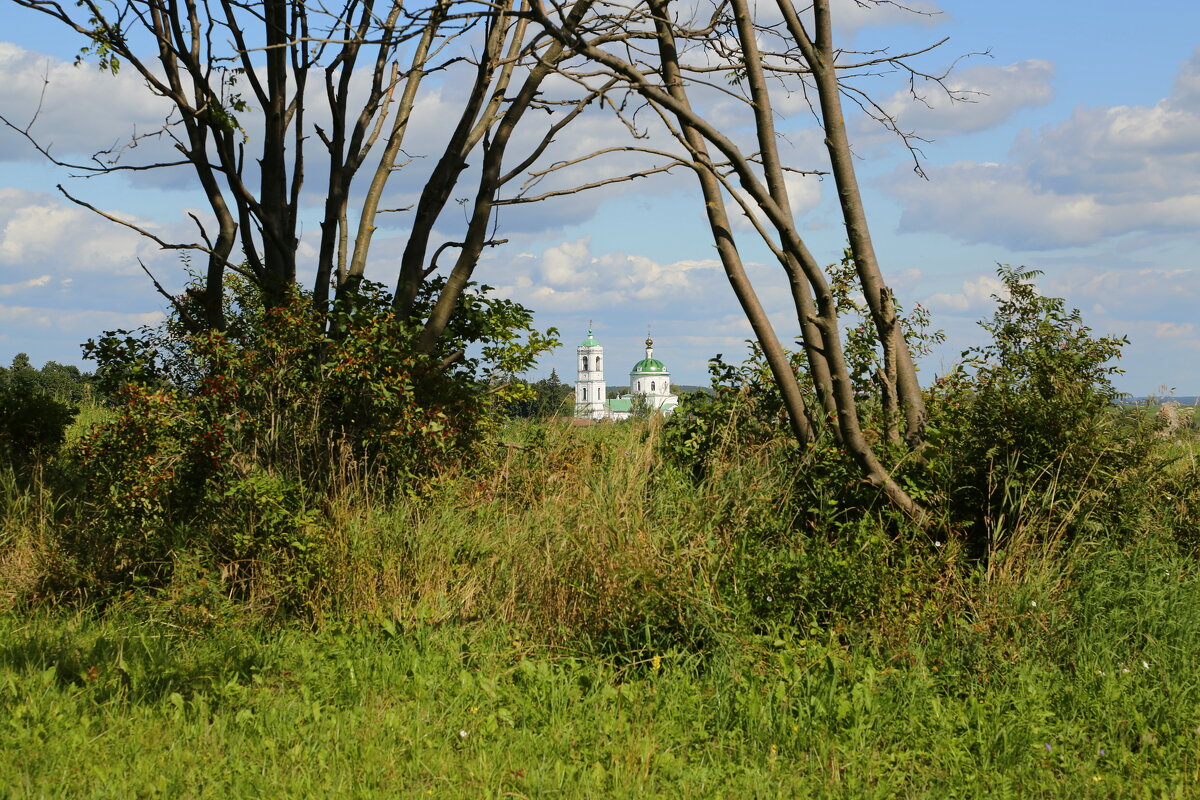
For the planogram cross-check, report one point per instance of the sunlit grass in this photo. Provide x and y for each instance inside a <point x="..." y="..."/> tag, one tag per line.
<point x="561" y="622"/>
<point x="1089" y="694"/>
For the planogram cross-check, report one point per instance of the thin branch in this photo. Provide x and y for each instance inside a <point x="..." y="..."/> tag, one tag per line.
<point x="188" y="319"/>
<point x="433" y="265"/>
<point x="511" y="201"/>
<point x="125" y="223"/>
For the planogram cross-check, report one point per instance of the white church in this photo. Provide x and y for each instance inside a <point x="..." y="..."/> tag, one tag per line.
<point x="648" y="380"/>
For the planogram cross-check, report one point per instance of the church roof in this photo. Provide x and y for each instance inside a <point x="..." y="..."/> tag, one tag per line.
<point x="590" y="341"/>
<point x="649" y="365"/>
<point x="624" y="404"/>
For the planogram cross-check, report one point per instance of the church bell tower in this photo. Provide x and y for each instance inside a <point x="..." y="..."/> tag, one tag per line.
<point x="590" y="390"/>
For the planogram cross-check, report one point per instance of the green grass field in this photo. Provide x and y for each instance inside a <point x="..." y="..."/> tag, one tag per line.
<point x="486" y="644"/>
<point x="1092" y="693"/>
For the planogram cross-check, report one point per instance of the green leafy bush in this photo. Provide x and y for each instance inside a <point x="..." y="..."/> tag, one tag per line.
<point x="745" y="409"/>
<point x="743" y="412"/>
<point x="33" y="415"/>
<point x="864" y="358"/>
<point x="742" y="419"/>
<point x="64" y="382"/>
<point x="232" y="442"/>
<point x="543" y="399"/>
<point x="804" y="539"/>
<point x="1027" y="423"/>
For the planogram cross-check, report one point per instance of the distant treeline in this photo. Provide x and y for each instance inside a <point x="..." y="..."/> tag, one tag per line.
<point x="64" y="382"/>
<point x="1154" y="400"/>
<point x="676" y="388"/>
<point x="36" y="406"/>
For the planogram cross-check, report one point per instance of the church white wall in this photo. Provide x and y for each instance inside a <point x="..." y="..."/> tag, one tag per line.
<point x="590" y="386"/>
<point x="640" y="383"/>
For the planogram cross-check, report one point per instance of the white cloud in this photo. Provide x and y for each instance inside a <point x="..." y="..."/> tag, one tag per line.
<point x="82" y="109"/>
<point x="905" y="279"/>
<point x="569" y="264"/>
<point x="1005" y="204"/>
<point x="989" y="95"/>
<point x="568" y="276"/>
<point x="8" y="289"/>
<point x="850" y="16"/>
<point x="804" y="195"/>
<point x="1171" y="295"/>
<point x="37" y="230"/>
<point x="975" y="296"/>
<point x="1175" y="330"/>
<point x="65" y="320"/>
<point x="1103" y="172"/>
<point x="75" y="273"/>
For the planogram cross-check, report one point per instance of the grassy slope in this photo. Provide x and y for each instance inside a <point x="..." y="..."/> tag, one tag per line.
<point x="1090" y="695"/>
<point x="1074" y="678"/>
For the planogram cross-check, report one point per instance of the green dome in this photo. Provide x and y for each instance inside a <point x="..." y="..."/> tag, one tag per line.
<point x="649" y="365"/>
<point x="590" y="341"/>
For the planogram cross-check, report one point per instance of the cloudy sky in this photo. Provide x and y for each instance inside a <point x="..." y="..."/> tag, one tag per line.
<point x="1079" y="156"/>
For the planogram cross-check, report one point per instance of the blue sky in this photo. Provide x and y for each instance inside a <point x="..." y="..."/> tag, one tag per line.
<point x="1081" y="157"/>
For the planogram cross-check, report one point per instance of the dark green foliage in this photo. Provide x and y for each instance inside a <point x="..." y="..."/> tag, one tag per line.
<point x="864" y="361"/>
<point x="850" y="570"/>
<point x="62" y="382"/>
<point x="230" y="442"/>
<point x="1033" y="414"/>
<point x="549" y="397"/>
<point x="807" y="540"/>
<point x="640" y="408"/>
<point x="32" y="425"/>
<point x="35" y="410"/>
<point x="1175" y="490"/>
<point x="1026" y="429"/>
<point x="743" y="411"/>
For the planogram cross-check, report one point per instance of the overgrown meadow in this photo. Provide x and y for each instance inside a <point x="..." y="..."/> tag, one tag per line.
<point x="526" y="608"/>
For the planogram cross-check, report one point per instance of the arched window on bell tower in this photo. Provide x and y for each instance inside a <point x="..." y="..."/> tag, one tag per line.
<point x="585" y="369"/>
<point x="585" y="394"/>
<point x="597" y="363"/>
<point x="651" y="387"/>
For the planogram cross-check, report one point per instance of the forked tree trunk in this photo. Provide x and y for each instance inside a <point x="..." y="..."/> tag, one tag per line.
<point x="820" y="54"/>
<point x="718" y="220"/>
<point x="791" y="250"/>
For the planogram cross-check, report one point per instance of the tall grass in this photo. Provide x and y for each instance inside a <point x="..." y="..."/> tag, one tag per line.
<point x="567" y="531"/>
<point x="1089" y="692"/>
<point x="574" y="617"/>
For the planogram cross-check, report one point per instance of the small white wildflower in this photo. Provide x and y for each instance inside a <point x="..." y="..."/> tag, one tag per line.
<point x="1124" y="670"/>
<point x="462" y="734"/>
<point x="1033" y="603"/>
<point x="1145" y="665"/>
<point x="937" y="544"/>
<point x="1100" y="672"/>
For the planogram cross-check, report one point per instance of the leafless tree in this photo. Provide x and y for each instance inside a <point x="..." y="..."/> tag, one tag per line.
<point x="219" y="63"/>
<point x="668" y="60"/>
<point x="253" y="87"/>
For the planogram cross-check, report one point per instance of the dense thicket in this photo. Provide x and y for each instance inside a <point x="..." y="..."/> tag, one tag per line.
<point x="329" y="475"/>
<point x="226" y="446"/>
<point x="36" y="406"/>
